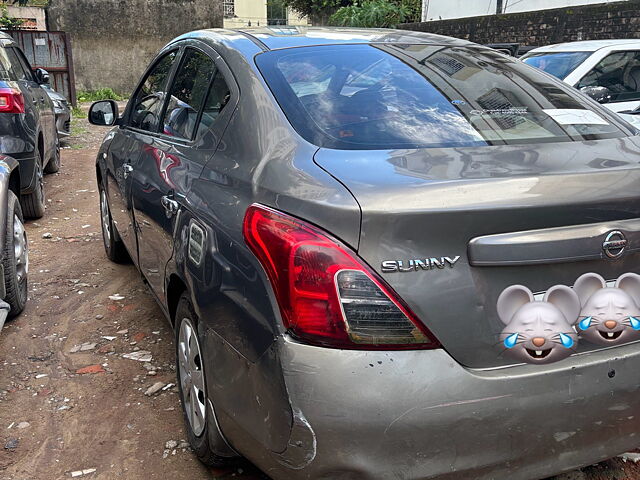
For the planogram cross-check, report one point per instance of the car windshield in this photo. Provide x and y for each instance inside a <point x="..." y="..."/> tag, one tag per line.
<point x="412" y="96"/>
<point x="558" y="64"/>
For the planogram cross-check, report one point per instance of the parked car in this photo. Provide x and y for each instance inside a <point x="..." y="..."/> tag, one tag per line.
<point x="62" y="112"/>
<point x="27" y="124"/>
<point x="14" y="263"/>
<point x="606" y="70"/>
<point x="385" y="254"/>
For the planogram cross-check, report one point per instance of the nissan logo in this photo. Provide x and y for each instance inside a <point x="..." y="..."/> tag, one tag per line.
<point x="614" y="244"/>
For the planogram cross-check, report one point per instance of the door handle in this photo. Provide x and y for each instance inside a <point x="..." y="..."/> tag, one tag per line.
<point x="126" y="170"/>
<point x="171" y="207"/>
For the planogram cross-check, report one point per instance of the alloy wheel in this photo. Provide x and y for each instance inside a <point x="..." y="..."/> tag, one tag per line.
<point x="20" y="249"/>
<point x="106" y="219"/>
<point x="190" y="365"/>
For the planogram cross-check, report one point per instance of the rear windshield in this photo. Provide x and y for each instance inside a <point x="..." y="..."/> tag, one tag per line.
<point x="558" y="64"/>
<point x="413" y="96"/>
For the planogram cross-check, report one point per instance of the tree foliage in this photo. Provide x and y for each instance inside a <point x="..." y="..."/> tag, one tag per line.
<point x="373" y="13"/>
<point x="7" y="22"/>
<point x="318" y="11"/>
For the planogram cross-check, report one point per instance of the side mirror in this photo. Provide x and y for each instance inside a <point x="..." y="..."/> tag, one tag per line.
<point x="104" y="113"/>
<point x="42" y="76"/>
<point x="599" y="94"/>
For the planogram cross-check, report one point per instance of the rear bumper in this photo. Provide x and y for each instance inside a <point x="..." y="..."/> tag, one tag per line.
<point x="419" y="414"/>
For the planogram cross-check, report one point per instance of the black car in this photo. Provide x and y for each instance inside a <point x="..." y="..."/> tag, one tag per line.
<point x="62" y="111"/>
<point x="27" y="124"/>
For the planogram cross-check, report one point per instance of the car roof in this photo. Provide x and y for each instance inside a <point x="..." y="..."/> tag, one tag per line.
<point x="585" y="46"/>
<point x="277" y="37"/>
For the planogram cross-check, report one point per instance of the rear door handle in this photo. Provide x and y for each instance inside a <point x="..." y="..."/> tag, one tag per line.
<point x="126" y="170"/>
<point x="170" y="205"/>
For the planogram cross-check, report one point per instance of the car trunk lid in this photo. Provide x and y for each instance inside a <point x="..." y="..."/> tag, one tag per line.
<point x="457" y="226"/>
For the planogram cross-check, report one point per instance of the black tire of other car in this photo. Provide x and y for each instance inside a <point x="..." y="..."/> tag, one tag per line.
<point x="54" y="162"/>
<point x="33" y="204"/>
<point x="113" y="245"/>
<point x="190" y="364"/>
<point x="15" y="257"/>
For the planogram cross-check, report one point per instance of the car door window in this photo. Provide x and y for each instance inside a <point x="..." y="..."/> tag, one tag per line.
<point x="149" y="99"/>
<point x="217" y="98"/>
<point x="17" y="68"/>
<point x="28" y="71"/>
<point x="6" y="73"/>
<point x="188" y="94"/>
<point x="618" y="72"/>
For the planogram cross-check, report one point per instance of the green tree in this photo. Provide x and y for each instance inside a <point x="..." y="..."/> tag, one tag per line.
<point x="318" y="11"/>
<point x="7" y="22"/>
<point x="372" y="13"/>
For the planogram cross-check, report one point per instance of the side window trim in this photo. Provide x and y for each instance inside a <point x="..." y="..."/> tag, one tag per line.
<point x="132" y="100"/>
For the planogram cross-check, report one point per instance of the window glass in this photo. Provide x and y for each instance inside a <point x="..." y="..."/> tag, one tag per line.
<point x="16" y="66"/>
<point x="618" y="72"/>
<point x="558" y="64"/>
<point x="410" y="96"/>
<point x="148" y="101"/>
<point x="188" y="93"/>
<point x="5" y="66"/>
<point x="28" y="71"/>
<point x="217" y="99"/>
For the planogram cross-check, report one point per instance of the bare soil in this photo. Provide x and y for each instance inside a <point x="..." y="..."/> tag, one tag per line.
<point x="63" y="412"/>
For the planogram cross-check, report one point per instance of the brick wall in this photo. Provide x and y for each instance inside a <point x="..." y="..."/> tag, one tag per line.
<point x="591" y="22"/>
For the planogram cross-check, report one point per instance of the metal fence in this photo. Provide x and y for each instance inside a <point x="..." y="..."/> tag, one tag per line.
<point x="51" y="51"/>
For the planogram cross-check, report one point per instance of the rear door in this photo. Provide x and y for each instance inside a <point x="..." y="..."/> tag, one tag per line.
<point x="141" y="121"/>
<point x="174" y="157"/>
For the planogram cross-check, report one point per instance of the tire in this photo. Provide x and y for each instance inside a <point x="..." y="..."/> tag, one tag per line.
<point x="113" y="245"/>
<point x="201" y="438"/>
<point x="15" y="257"/>
<point x="33" y="204"/>
<point x="54" y="162"/>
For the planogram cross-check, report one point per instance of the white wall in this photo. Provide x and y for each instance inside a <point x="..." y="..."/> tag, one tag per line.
<point x="445" y="9"/>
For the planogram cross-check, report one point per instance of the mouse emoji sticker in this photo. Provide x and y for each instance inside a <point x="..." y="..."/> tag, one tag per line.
<point x="609" y="315"/>
<point x="538" y="332"/>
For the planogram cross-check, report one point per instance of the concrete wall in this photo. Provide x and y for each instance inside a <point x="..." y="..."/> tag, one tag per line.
<point x="448" y="9"/>
<point x="544" y="27"/>
<point x="114" y="40"/>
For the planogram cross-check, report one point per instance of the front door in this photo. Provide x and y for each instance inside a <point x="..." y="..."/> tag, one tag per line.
<point x="140" y="121"/>
<point x="122" y="154"/>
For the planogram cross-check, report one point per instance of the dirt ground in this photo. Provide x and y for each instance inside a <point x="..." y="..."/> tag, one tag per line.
<point x="69" y="401"/>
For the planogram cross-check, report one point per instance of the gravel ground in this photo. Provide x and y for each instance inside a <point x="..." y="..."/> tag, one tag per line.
<point x="70" y="403"/>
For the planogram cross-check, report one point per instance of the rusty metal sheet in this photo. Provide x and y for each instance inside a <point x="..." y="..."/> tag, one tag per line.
<point x="51" y="51"/>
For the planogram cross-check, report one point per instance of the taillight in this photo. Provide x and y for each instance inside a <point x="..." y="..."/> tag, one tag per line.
<point x="328" y="296"/>
<point x="11" y="101"/>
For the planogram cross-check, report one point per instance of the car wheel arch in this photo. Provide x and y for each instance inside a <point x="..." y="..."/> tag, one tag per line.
<point x="174" y="290"/>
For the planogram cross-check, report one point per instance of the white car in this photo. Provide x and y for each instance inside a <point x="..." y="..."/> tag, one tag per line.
<point x="606" y="70"/>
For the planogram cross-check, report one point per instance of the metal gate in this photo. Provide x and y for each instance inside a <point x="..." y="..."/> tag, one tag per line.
<point x="51" y="51"/>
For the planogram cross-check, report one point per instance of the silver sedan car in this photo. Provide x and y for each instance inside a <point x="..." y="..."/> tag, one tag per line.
<point x="385" y="254"/>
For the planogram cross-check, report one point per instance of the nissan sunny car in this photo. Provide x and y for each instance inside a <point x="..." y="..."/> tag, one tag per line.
<point x="385" y="254"/>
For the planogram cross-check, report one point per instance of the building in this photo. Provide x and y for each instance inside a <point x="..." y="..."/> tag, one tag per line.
<point x="448" y="9"/>
<point x="255" y="13"/>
